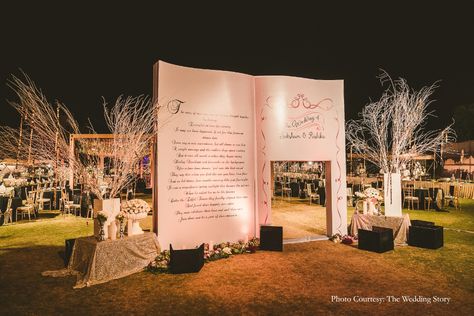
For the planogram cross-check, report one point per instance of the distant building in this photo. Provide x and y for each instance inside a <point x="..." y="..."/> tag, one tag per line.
<point x="459" y="160"/>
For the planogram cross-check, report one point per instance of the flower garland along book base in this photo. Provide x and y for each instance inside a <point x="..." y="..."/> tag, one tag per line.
<point x="219" y="251"/>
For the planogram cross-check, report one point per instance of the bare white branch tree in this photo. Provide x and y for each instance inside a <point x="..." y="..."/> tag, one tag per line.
<point x="12" y="145"/>
<point x="392" y="131"/>
<point x="131" y="120"/>
<point x="46" y="130"/>
<point x="46" y="137"/>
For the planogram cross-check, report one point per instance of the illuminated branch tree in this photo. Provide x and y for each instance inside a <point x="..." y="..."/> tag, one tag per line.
<point x="46" y="137"/>
<point x="47" y="127"/>
<point x="132" y="122"/>
<point x="12" y="146"/>
<point x="391" y="131"/>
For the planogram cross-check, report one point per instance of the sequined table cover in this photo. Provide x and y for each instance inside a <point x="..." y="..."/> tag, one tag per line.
<point x="399" y="225"/>
<point x="97" y="262"/>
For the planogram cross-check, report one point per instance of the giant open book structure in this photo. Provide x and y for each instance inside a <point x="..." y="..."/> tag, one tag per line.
<point x="218" y="133"/>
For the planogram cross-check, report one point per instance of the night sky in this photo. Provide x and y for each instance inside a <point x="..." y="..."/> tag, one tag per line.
<point x="79" y="53"/>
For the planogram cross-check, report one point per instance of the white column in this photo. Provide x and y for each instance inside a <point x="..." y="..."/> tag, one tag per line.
<point x="392" y="194"/>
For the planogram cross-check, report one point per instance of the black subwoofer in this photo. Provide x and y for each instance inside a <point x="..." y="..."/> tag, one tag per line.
<point x="379" y="239"/>
<point x="271" y="238"/>
<point x="431" y="237"/>
<point x="186" y="260"/>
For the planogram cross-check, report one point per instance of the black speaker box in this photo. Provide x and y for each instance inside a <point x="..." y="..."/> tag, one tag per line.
<point x="68" y="253"/>
<point x="431" y="237"/>
<point x="379" y="239"/>
<point x="186" y="260"/>
<point x="271" y="238"/>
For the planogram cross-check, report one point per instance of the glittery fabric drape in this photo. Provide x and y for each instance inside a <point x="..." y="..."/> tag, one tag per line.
<point x="399" y="225"/>
<point x="97" y="262"/>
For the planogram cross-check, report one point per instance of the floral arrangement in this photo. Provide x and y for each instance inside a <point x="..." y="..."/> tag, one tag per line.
<point x="101" y="217"/>
<point x="369" y="194"/>
<point x="135" y="207"/>
<point x="372" y="193"/>
<point x="225" y="250"/>
<point x="161" y="263"/>
<point x="253" y="244"/>
<point x="346" y="239"/>
<point x="120" y="217"/>
<point x="336" y="238"/>
<point x="218" y="251"/>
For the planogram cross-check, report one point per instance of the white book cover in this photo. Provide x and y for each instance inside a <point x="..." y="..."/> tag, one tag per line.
<point x="218" y="133"/>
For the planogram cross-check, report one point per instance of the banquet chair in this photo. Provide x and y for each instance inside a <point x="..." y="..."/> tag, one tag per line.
<point x="90" y="211"/>
<point x="28" y="208"/>
<point x="76" y="204"/>
<point x="285" y="190"/>
<point x="302" y="188"/>
<point x="429" y="200"/>
<point x="350" y="197"/>
<point x="35" y="195"/>
<point x="130" y="193"/>
<point x="295" y="189"/>
<point x="311" y="195"/>
<point x="65" y="202"/>
<point x="359" y="206"/>
<point x="40" y="201"/>
<point x="410" y="198"/>
<point x="453" y="196"/>
<point x="90" y="208"/>
<point x="8" y="214"/>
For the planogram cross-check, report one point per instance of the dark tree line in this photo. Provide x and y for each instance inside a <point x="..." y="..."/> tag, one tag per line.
<point x="464" y="122"/>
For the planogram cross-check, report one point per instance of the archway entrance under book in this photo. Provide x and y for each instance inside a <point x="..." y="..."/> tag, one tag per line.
<point x="298" y="201"/>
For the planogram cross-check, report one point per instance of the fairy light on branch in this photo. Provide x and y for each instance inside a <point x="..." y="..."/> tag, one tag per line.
<point x="391" y="131"/>
<point x="42" y="120"/>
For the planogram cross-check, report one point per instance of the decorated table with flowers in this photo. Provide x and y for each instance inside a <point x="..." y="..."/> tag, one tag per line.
<point x="95" y="262"/>
<point x="399" y="225"/>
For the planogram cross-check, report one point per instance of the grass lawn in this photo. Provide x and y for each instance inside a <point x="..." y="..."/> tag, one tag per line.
<point x="456" y="259"/>
<point x="300" y="280"/>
